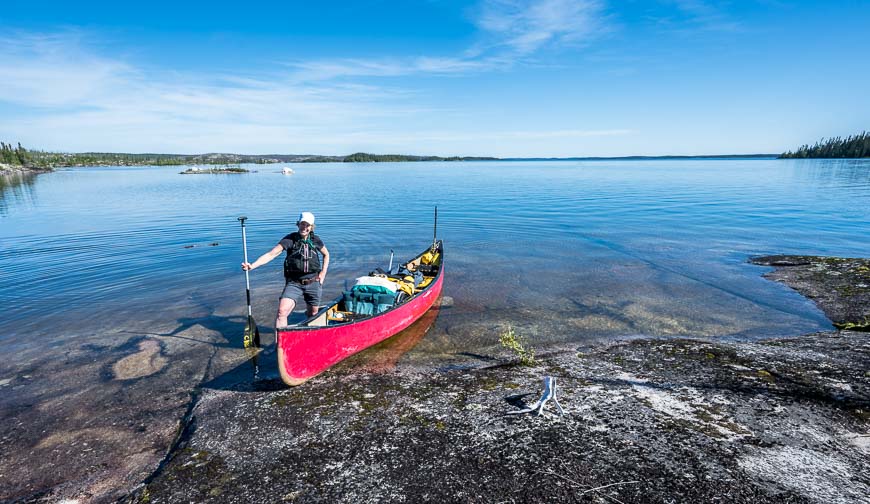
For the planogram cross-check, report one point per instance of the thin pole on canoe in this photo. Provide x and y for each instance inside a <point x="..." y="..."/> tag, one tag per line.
<point x="252" y="332"/>
<point x="390" y="267"/>
<point x="435" y="230"/>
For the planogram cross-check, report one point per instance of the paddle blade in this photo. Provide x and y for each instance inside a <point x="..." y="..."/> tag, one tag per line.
<point x="252" y="333"/>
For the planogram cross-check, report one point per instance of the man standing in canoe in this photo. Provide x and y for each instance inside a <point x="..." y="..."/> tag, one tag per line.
<point x="303" y="270"/>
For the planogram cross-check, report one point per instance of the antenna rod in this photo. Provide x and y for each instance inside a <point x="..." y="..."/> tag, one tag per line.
<point x="435" y="231"/>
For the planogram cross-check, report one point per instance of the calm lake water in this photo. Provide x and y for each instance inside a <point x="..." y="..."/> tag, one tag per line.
<point x="562" y="251"/>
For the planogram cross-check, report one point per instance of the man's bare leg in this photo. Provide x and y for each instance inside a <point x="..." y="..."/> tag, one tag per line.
<point x="285" y="308"/>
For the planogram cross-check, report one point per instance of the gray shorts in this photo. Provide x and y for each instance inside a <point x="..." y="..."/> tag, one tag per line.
<point x="311" y="292"/>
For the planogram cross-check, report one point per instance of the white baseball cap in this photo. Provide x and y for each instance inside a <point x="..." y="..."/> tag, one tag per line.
<point x="306" y="217"/>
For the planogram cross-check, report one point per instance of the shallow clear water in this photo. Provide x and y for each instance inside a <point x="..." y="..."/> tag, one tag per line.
<point x="563" y="251"/>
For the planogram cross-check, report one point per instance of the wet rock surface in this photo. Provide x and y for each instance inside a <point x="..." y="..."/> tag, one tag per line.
<point x="645" y="421"/>
<point x="682" y="420"/>
<point x="840" y="286"/>
<point x="93" y="425"/>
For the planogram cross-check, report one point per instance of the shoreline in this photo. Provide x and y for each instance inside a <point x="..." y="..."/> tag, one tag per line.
<point x="646" y="420"/>
<point x="839" y="286"/>
<point x="6" y="169"/>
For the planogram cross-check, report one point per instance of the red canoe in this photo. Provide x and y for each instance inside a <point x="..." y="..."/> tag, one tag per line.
<point x="354" y="322"/>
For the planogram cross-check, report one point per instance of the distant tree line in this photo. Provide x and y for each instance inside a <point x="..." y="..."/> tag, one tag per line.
<point x="42" y="159"/>
<point x="18" y="156"/>
<point x="857" y="146"/>
<point x="123" y="159"/>
<point x="362" y="157"/>
<point x="105" y="158"/>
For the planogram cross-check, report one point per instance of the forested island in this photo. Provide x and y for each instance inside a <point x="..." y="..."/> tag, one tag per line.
<point x="43" y="159"/>
<point x="857" y="146"/>
<point x="15" y="159"/>
<point x="19" y="158"/>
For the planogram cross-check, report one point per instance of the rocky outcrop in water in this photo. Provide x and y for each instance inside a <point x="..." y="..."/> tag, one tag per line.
<point x="840" y="286"/>
<point x="7" y="169"/>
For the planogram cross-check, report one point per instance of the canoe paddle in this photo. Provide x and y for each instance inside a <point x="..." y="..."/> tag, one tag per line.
<point x="252" y="332"/>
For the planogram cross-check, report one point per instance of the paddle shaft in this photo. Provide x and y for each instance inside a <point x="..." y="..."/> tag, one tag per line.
<point x="247" y="276"/>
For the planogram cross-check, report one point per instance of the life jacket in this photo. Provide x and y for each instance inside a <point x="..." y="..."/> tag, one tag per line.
<point x="302" y="259"/>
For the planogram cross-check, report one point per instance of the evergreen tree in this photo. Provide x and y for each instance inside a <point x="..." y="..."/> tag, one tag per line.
<point x="857" y="146"/>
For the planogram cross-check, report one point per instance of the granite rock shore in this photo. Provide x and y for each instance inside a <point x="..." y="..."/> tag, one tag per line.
<point x="651" y="420"/>
<point x="7" y="169"/>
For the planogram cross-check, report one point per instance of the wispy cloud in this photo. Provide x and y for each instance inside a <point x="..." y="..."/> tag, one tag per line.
<point x="323" y="70"/>
<point x="53" y="70"/>
<point x="67" y="91"/>
<point x="705" y="16"/>
<point x="511" y="31"/>
<point x="72" y="98"/>
<point x="525" y="27"/>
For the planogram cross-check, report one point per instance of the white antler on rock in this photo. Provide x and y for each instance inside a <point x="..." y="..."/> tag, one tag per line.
<point x="549" y="393"/>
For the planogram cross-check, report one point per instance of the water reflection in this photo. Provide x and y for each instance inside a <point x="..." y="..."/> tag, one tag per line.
<point x="835" y="173"/>
<point x="16" y="190"/>
<point x="383" y="357"/>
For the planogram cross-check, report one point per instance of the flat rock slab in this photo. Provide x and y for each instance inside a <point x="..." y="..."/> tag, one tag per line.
<point x="645" y="421"/>
<point x="840" y="286"/>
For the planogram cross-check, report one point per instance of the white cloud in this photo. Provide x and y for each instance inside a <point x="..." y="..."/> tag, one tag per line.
<point x="62" y="92"/>
<point x="52" y="70"/>
<point x="73" y="99"/>
<point x="526" y="27"/>
<point x="511" y="32"/>
<point x="706" y="16"/>
<point x="330" y="69"/>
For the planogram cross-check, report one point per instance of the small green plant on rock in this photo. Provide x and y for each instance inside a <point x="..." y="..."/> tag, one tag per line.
<point x="517" y="344"/>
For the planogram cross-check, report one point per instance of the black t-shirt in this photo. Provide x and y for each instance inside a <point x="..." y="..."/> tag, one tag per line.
<point x="302" y="262"/>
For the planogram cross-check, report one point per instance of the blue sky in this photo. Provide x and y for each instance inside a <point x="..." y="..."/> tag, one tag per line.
<point x="491" y="77"/>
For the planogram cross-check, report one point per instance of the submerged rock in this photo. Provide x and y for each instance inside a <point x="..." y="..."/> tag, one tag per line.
<point x="147" y="361"/>
<point x="840" y="286"/>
